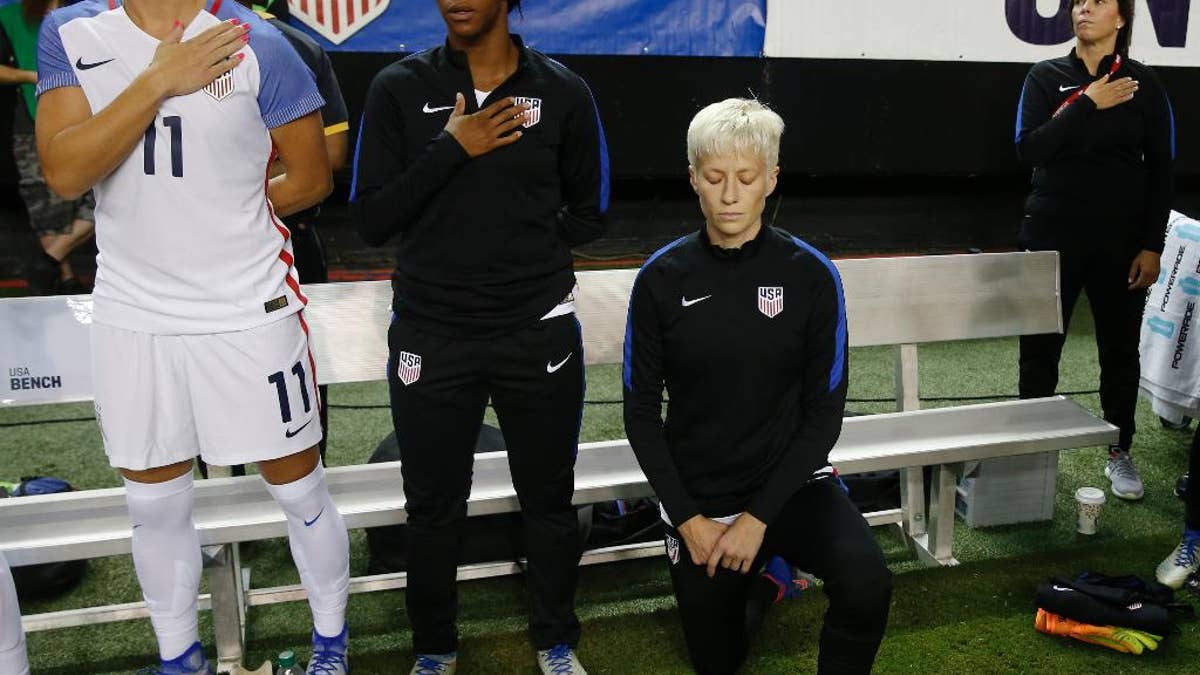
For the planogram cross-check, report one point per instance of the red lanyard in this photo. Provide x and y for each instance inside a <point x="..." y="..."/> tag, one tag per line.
<point x="1116" y="65"/>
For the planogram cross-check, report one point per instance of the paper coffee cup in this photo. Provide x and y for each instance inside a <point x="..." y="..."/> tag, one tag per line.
<point x="1090" y="501"/>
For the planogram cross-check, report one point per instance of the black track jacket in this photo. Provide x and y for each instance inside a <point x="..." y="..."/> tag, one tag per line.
<point x="485" y="243"/>
<point x="1097" y="174"/>
<point x="751" y="345"/>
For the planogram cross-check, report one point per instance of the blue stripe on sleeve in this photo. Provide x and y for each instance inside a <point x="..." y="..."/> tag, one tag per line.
<point x="628" y="366"/>
<point x="1020" y="111"/>
<point x="839" y="357"/>
<point x="287" y="89"/>
<point x="604" y="164"/>
<point x="1171" y="116"/>
<point x="357" y="151"/>
<point x="56" y="81"/>
<point x="53" y="66"/>
<point x="605" y="170"/>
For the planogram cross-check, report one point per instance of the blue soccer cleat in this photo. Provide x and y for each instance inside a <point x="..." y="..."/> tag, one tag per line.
<point x="791" y="582"/>
<point x="330" y="654"/>
<point x="435" y="664"/>
<point x="191" y="662"/>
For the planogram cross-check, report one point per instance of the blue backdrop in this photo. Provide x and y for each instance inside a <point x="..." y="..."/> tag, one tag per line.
<point x="611" y="27"/>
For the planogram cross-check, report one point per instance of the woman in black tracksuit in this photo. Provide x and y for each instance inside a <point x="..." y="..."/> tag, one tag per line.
<point x="745" y="326"/>
<point x="1097" y="129"/>
<point x="486" y="159"/>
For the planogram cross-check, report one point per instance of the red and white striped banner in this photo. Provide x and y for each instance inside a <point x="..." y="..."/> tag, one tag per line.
<point x="337" y="20"/>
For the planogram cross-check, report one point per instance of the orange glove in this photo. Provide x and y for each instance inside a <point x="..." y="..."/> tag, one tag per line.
<point x="1124" y="640"/>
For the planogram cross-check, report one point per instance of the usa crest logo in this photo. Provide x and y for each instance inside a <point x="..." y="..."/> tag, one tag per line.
<point x="672" y="549"/>
<point x="337" y="20"/>
<point x="220" y="88"/>
<point x="770" y="300"/>
<point x="410" y="368"/>
<point x="534" y="112"/>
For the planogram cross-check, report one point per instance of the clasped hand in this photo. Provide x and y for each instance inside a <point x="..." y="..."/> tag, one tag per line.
<point x="733" y="547"/>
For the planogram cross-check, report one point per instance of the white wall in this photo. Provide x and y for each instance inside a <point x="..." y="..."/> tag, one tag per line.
<point x="938" y="30"/>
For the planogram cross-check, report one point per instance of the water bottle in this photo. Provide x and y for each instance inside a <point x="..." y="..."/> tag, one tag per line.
<point x="287" y="664"/>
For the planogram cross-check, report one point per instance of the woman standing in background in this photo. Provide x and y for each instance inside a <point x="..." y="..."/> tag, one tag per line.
<point x="61" y="225"/>
<point x="1097" y="129"/>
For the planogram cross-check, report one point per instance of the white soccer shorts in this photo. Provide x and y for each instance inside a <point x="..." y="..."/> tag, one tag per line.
<point x="232" y="398"/>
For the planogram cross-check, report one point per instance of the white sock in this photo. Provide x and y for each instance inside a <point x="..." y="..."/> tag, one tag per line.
<point x="320" y="547"/>
<point x="12" y="636"/>
<point x="166" y="555"/>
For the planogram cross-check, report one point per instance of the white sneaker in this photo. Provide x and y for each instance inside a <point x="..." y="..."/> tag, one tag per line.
<point x="435" y="664"/>
<point x="1182" y="562"/>
<point x="560" y="660"/>
<point x="1126" y="481"/>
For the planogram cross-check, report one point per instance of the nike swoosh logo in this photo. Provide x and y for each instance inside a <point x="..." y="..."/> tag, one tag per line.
<point x="553" y="368"/>
<point x="1062" y="88"/>
<point x="308" y="523"/>
<point x="427" y="109"/>
<point x="88" y="66"/>
<point x="689" y="303"/>
<point x="1060" y="588"/>
<point x="289" y="433"/>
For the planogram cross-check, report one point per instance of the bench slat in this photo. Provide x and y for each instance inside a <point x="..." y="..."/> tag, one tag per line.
<point x="967" y="433"/>
<point x="910" y="300"/>
<point x="903" y="300"/>
<point x="95" y="523"/>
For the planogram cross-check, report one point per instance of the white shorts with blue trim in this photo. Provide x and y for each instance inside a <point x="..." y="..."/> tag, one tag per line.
<point x="231" y="398"/>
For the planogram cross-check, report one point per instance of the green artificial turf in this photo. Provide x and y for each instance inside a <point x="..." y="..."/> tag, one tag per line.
<point x="974" y="617"/>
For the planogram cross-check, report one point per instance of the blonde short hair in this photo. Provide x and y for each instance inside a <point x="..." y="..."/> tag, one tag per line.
<point x="735" y="126"/>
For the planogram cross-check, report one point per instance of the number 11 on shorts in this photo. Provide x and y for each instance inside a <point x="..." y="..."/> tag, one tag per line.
<point x="280" y="381"/>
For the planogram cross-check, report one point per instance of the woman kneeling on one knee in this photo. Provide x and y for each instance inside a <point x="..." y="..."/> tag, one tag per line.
<point x="745" y="325"/>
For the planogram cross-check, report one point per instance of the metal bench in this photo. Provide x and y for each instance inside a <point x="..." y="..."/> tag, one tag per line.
<point x="890" y="301"/>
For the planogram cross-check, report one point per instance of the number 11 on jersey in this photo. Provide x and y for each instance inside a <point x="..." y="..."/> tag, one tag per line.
<point x="175" y="124"/>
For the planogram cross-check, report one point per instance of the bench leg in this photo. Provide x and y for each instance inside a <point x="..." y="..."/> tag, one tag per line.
<point x="228" y="604"/>
<point x="936" y="548"/>
<point x="912" y="481"/>
<point x="912" y="500"/>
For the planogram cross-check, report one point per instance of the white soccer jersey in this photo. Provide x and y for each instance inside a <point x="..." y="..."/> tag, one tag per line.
<point x="187" y="237"/>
